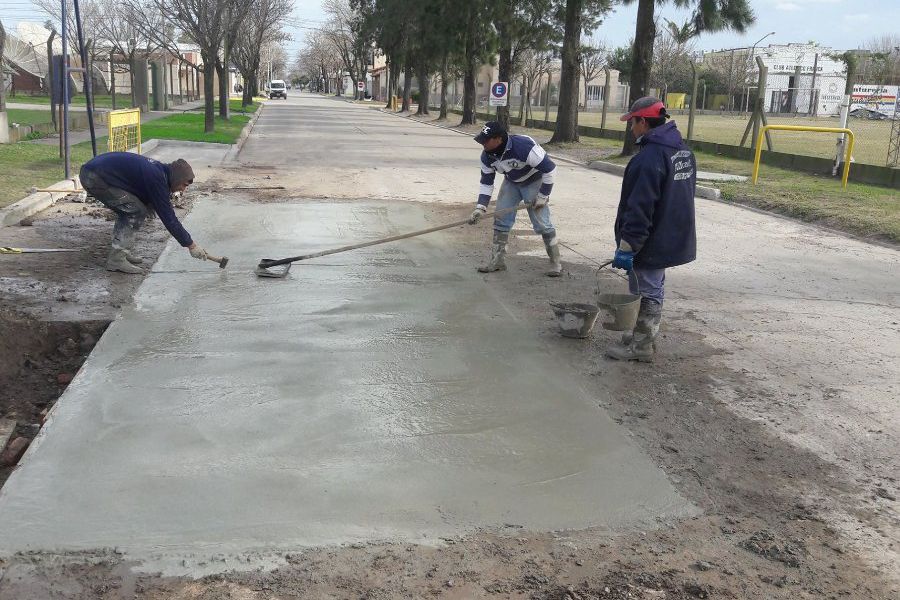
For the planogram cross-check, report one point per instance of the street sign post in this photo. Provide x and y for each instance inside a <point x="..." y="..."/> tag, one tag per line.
<point x="499" y="94"/>
<point x="360" y="85"/>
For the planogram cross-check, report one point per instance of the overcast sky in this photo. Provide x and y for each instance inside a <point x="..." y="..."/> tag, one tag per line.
<point x="840" y="24"/>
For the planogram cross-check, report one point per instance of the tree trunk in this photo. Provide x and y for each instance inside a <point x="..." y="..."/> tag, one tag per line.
<point x="224" y="92"/>
<point x="395" y="78"/>
<point x="2" y="74"/>
<point x="641" y="61"/>
<point x="131" y="70"/>
<point x="407" y="88"/>
<point x="505" y="64"/>
<point x="112" y="77"/>
<point x="246" y="97"/>
<point x="209" y="92"/>
<point x="585" y="91"/>
<point x="522" y="101"/>
<point x="444" y="75"/>
<point x="424" y="90"/>
<point x="89" y="74"/>
<point x="389" y="92"/>
<point x="567" y="114"/>
<point x="469" y="99"/>
<point x="50" y="79"/>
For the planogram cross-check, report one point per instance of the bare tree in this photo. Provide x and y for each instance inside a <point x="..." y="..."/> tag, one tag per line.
<point x="88" y="9"/>
<point x="147" y="20"/>
<point x="260" y="27"/>
<point x="2" y="69"/>
<point x="342" y="34"/>
<point x="882" y="63"/>
<point x="128" y="30"/>
<point x="319" y="61"/>
<point x="594" y="56"/>
<point x="535" y="66"/>
<point x="235" y="15"/>
<point x="726" y="73"/>
<point x="206" y="23"/>
<point x="672" y="50"/>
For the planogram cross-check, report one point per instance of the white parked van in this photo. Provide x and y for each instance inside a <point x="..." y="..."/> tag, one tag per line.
<point x="277" y="89"/>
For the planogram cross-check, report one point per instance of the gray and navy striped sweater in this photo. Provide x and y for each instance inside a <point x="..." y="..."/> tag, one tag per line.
<point x="522" y="161"/>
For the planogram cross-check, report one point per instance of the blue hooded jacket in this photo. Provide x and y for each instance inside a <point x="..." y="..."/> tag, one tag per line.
<point x="656" y="210"/>
<point x="145" y="178"/>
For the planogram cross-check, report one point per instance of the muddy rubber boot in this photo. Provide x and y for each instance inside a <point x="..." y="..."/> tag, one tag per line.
<point x="552" y="246"/>
<point x="118" y="262"/>
<point x="641" y="343"/>
<point x="498" y="251"/>
<point x="132" y="258"/>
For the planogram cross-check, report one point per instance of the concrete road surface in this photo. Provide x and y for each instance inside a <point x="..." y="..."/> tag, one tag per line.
<point x="387" y="394"/>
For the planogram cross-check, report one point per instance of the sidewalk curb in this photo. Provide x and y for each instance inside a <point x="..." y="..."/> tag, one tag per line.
<point x="149" y="146"/>
<point x="35" y="203"/>
<point x="242" y="139"/>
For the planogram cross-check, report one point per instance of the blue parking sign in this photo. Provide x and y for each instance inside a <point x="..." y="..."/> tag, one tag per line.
<point x="499" y="93"/>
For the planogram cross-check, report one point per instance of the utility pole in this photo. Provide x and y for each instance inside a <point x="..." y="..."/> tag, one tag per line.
<point x="4" y="124"/>
<point x="64" y="82"/>
<point x="87" y="78"/>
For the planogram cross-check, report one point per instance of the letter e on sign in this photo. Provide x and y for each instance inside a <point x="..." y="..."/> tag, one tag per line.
<point x="499" y="93"/>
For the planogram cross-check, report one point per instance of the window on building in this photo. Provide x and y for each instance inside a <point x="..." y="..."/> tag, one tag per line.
<point x="595" y="93"/>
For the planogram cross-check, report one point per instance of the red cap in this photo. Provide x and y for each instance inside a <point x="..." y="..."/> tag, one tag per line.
<point x="645" y="107"/>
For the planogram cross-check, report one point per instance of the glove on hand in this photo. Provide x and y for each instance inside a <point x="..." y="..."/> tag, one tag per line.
<point x="623" y="259"/>
<point x="197" y="252"/>
<point x="541" y="201"/>
<point x="477" y="214"/>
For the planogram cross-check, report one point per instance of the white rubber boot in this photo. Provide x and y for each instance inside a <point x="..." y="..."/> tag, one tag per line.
<point x="641" y="345"/>
<point x="552" y="246"/>
<point x="118" y="262"/>
<point x="498" y="252"/>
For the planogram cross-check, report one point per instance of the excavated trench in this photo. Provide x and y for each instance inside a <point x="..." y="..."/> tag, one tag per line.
<point x="38" y="359"/>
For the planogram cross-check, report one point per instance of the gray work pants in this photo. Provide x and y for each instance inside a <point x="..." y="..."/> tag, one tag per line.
<point x="649" y="284"/>
<point x="130" y="211"/>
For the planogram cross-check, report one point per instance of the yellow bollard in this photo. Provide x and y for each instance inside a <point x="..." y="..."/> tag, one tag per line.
<point x="762" y="132"/>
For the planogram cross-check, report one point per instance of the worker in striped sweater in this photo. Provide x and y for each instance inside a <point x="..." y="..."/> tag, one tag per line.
<point x="528" y="177"/>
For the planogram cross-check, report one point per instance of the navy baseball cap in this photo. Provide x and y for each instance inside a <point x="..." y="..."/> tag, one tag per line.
<point x="490" y="130"/>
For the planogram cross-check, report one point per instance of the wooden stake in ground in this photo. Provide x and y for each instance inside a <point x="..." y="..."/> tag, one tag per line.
<point x="759" y="109"/>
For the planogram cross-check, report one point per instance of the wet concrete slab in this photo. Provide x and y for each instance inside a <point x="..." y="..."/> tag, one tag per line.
<point x="384" y="394"/>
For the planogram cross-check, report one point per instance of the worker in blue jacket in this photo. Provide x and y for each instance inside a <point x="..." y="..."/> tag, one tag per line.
<point x="134" y="186"/>
<point x="655" y="221"/>
<point x="528" y="177"/>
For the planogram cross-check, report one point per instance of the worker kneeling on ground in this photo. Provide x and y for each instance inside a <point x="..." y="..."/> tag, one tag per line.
<point x="655" y="221"/>
<point x="133" y="186"/>
<point x="528" y="173"/>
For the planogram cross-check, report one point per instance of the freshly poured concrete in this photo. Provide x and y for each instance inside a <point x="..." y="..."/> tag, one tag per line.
<point x="382" y="394"/>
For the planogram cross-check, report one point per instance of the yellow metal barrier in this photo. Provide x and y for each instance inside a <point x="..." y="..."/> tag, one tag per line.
<point x="125" y="130"/>
<point x="762" y="132"/>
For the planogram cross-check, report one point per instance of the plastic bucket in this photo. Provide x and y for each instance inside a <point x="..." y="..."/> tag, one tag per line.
<point x="575" y="319"/>
<point x="620" y="311"/>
